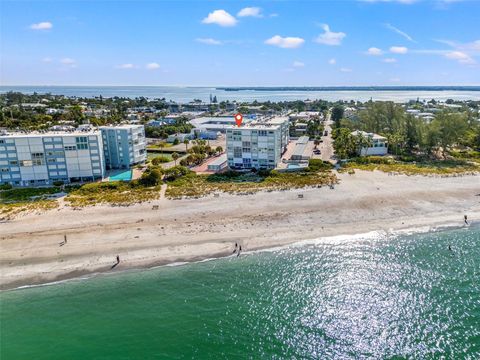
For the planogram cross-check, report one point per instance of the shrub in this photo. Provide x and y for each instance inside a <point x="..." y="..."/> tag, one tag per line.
<point x="6" y="186"/>
<point x="151" y="177"/>
<point x="176" y="141"/>
<point x="160" y="160"/>
<point x="318" y="164"/>
<point x="176" y="172"/>
<point x="58" y="183"/>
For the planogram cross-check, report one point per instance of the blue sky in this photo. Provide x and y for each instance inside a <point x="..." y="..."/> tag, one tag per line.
<point x="239" y="43"/>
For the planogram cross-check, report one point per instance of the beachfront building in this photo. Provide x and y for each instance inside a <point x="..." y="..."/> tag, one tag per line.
<point x="124" y="146"/>
<point x="378" y="144"/>
<point x="35" y="159"/>
<point x="258" y="144"/>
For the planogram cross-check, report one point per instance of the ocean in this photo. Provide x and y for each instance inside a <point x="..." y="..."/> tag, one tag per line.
<point x="367" y="296"/>
<point x="187" y="94"/>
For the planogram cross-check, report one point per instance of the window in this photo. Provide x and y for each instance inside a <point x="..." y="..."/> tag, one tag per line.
<point x="26" y="163"/>
<point x="237" y="152"/>
<point x="55" y="153"/>
<point x="262" y="133"/>
<point x="4" y="170"/>
<point x="13" y="162"/>
<point x="2" y="141"/>
<point x="82" y="142"/>
<point x="70" y="148"/>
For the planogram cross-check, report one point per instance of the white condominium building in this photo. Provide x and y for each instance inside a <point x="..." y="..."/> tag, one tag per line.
<point x="258" y="144"/>
<point x="35" y="159"/>
<point x="124" y="146"/>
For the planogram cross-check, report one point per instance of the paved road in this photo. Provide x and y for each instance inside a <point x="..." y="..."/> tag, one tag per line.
<point x="326" y="147"/>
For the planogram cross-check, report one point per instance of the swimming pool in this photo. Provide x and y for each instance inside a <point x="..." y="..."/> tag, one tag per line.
<point x="122" y="176"/>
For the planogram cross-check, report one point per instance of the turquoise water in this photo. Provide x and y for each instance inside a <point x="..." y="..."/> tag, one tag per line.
<point x="187" y="94"/>
<point x="372" y="297"/>
<point x="124" y="176"/>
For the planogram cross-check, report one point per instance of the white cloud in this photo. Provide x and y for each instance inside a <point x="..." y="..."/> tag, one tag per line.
<point x="298" y="64"/>
<point x="399" y="49"/>
<point x="152" y="66"/>
<point x="460" y="56"/>
<point x="220" y="17"/>
<point x="45" y="25"/>
<point x="273" y="15"/>
<point x="209" y="41"/>
<point x="68" y="61"/>
<point x="395" y="79"/>
<point x="332" y="61"/>
<point x="125" y="66"/>
<point x="400" y="32"/>
<point x="330" y="37"/>
<point x="250" y="11"/>
<point x="285" y="42"/>
<point x="389" y="60"/>
<point x="374" y="51"/>
<point x="47" y="59"/>
<point x="345" y="70"/>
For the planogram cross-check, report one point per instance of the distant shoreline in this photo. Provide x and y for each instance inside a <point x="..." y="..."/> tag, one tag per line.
<point x="186" y="94"/>
<point x="353" y="88"/>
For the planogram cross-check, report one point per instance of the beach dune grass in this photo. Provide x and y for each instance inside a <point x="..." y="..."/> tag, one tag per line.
<point x="113" y="193"/>
<point x="193" y="185"/>
<point x="423" y="167"/>
<point x="16" y="200"/>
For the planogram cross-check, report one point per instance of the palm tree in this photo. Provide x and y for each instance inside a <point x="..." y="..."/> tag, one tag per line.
<point x="175" y="157"/>
<point x="186" y="144"/>
<point x="316" y="142"/>
<point x="219" y="149"/>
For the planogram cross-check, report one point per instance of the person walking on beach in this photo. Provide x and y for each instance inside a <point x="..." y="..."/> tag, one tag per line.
<point x="465" y="219"/>
<point x="235" y="249"/>
<point x="239" y="251"/>
<point x="118" y="259"/>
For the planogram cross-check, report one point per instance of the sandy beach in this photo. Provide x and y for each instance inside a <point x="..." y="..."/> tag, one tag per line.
<point x="195" y="229"/>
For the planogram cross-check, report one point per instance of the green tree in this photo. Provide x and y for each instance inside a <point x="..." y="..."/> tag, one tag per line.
<point x="337" y="114"/>
<point x="345" y="144"/>
<point x="175" y="157"/>
<point x="186" y="144"/>
<point x="151" y="177"/>
<point x="451" y="128"/>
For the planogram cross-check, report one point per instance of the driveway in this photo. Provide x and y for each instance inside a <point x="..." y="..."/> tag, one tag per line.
<point x="326" y="147"/>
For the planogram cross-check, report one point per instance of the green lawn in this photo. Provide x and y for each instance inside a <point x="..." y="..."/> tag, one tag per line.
<point x="151" y="155"/>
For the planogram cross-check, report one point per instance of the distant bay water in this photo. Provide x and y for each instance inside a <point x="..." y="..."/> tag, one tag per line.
<point x="187" y="94"/>
<point x="372" y="296"/>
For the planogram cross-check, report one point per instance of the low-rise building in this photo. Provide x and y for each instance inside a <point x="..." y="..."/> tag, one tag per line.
<point x="258" y="144"/>
<point x="301" y="150"/>
<point x="124" y="146"/>
<point x="378" y="144"/>
<point x="218" y="164"/>
<point x="180" y="137"/>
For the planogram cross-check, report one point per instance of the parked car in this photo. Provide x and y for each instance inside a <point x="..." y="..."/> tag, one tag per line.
<point x="325" y="133"/>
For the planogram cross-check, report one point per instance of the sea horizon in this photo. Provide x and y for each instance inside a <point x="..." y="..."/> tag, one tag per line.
<point x="184" y="94"/>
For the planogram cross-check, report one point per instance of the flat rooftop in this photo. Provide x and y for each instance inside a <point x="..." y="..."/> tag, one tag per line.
<point x="123" y="126"/>
<point x="263" y="123"/>
<point x="18" y="134"/>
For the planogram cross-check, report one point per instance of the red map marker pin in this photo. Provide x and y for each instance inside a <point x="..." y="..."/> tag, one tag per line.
<point x="238" y="119"/>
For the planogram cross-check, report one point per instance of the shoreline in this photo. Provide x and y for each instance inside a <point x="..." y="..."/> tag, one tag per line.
<point x="87" y="275"/>
<point x="192" y="230"/>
